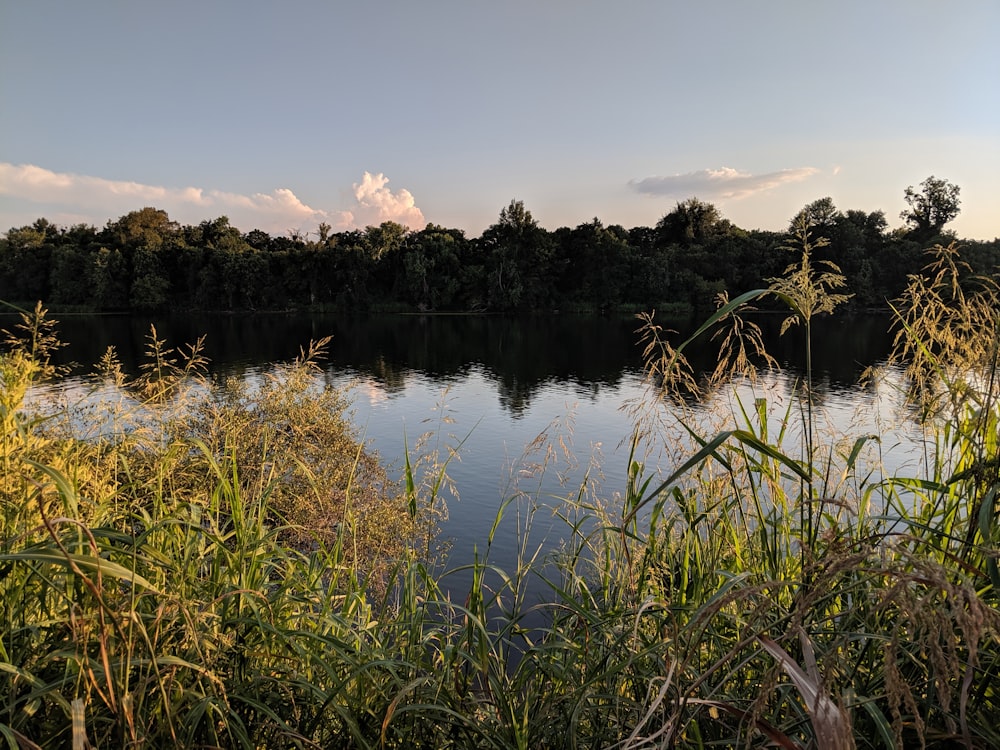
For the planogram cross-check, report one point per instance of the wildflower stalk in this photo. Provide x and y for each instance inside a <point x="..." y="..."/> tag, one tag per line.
<point x="808" y="288"/>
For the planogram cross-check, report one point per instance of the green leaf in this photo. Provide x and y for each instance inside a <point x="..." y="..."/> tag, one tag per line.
<point x="105" y="568"/>
<point x="987" y="515"/>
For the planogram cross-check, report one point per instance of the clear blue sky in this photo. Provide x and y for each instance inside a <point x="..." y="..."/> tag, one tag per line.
<point x="281" y="115"/>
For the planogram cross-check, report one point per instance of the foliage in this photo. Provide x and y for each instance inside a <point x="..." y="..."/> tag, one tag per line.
<point x="821" y="214"/>
<point x="929" y="210"/>
<point x="145" y="262"/>
<point x="692" y="221"/>
<point x="517" y="255"/>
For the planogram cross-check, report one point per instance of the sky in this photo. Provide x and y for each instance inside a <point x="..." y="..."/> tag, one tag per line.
<point x="285" y="115"/>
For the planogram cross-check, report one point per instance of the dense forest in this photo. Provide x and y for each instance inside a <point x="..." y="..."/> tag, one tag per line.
<point x="145" y="262"/>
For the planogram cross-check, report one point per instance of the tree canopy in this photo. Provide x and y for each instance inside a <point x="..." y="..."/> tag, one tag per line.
<point x="144" y="261"/>
<point x="932" y="207"/>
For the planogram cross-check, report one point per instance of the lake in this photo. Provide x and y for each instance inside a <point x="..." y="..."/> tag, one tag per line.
<point x="499" y="383"/>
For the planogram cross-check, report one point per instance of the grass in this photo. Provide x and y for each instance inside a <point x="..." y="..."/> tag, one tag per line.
<point x="218" y="565"/>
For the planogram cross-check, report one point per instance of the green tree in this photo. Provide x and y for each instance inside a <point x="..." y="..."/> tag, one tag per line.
<point x="382" y="251"/>
<point x="142" y="237"/>
<point x="520" y="253"/>
<point x="150" y="284"/>
<point x="593" y="265"/>
<point x="108" y="280"/>
<point x="819" y="215"/>
<point x="25" y="261"/>
<point x="233" y="273"/>
<point x="147" y="226"/>
<point x="432" y="268"/>
<point x="307" y="269"/>
<point x="931" y="208"/>
<point x="698" y="257"/>
<point x="353" y="269"/>
<point x="384" y="240"/>
<point x="67" y="272"/>
<point x="690" y="222"/>
<point x="860" y="239"/>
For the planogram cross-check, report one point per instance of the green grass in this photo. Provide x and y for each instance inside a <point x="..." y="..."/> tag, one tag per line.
<point x="764" y="587"/>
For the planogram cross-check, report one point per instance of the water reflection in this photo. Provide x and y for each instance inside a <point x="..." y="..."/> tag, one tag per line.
<point x="519" y="355"/>
<point x="504" y="382"/>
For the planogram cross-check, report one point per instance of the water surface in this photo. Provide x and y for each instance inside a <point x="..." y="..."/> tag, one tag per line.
<point x="538" y="404"/>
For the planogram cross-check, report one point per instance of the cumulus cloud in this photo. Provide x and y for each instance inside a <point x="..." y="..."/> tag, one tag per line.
<point x="376" y="203"/>
<point x="719" y="183"/>
<point x="65" y="194"/>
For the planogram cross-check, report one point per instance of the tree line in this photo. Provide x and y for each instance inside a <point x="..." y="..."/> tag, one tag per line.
<point x="145" y="262"/>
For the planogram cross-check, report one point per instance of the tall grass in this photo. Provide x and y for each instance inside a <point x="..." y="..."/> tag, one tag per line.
<point x="763" y="587"/>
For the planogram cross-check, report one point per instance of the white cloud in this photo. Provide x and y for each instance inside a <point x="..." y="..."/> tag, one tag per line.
<point x="376" y="203"/>
<point x="59" y="194"/>
<point x="719" y="183"/>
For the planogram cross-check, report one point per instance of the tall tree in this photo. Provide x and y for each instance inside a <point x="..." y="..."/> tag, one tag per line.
<point x="25" y="262"/>
<point x="150" y="281"/>
<point x="931" y="208"/>
<point x="818" y="216"/>
<point x="431" y="269"/>
<point x="520" y="253"/>
<point x="107" y="278"/>
<point x="593" y="265"/>
<point x="691" y="222"/>
<point x="147" y="226"/>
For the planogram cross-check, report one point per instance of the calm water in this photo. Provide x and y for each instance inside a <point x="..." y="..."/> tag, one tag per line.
<point x="498" y="384"/>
